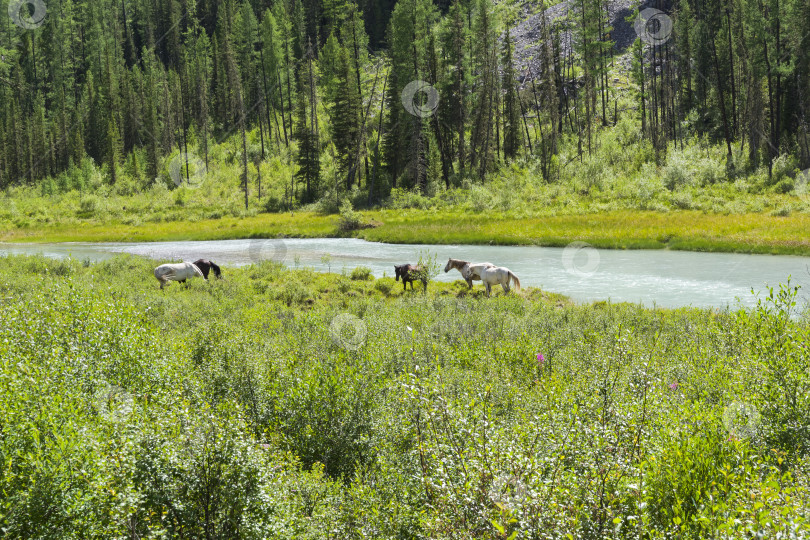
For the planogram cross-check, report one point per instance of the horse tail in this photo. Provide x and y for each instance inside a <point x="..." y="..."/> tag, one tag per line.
<point x="515" y="279"/>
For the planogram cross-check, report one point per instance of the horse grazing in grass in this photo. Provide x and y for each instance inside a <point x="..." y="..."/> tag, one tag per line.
<point x="206" y="266"/>
<point x="499" y="275"/>
<point x="180" y="272"/>
<point x="469" y="271"/>
<point x="410" y="273"/>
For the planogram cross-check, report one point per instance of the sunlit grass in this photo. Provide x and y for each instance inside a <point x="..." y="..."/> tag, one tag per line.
<point x="682" y="230"/>
<point x="242" y="394"/>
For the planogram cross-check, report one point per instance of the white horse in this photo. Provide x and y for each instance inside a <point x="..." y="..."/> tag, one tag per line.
<point x="176" y="272"/>
<point x="469" y="271"/>
<point x="499" y="275"/>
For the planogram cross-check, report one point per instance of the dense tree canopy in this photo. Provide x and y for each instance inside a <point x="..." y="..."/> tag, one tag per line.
<point x="129" y="82"/>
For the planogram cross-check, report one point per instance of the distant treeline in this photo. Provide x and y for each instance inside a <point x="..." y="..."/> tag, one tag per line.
<point x="332" y="78"/>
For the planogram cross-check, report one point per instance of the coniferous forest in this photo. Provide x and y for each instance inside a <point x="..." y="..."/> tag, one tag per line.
<point x="325" y="84"/>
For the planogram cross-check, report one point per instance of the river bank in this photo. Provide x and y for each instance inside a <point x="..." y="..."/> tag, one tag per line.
<point x="677" y="230"/>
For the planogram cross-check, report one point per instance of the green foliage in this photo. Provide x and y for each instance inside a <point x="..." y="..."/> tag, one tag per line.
<point x="349" y="219"/>
<point x="236" y="408"/>
<point x="428" y="266"/>
<point x="361" y="273"/>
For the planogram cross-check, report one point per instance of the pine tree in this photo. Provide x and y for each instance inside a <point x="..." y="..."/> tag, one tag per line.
<point x="453" y="106"/>
<point x="404" y="143"/>
<point x="344" y="106"/>
<point x="512" y="135"/>
<point x="309" y="164"/>
<point x="271" y="60"/>
<point x="485" y="61"/>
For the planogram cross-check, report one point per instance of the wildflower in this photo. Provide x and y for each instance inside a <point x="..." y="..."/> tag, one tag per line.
<point x="540" y="358"/>
<point x="673" y="386"/>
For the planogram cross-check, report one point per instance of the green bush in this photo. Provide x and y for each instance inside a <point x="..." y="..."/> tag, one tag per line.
<point x="361" y="273"/>
<point x="89" y="205"/>
<point x="384" y="285"/>
<point x="676" y="174"/>
<point x="349" y="219"/>
<point x="292" y="292"/>
<point x="786" y="185"/>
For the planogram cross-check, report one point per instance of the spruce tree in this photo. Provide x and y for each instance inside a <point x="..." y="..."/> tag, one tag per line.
<point x="512" y="134"/>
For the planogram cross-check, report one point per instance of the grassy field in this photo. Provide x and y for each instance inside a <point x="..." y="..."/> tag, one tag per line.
<point x="685" y="230"/>
<point x="616" y="198"/>
<point x="280" y="403"/>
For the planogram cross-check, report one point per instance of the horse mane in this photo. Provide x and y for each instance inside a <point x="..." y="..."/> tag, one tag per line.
<point x="217" y="271"/>
<point x="205" y="267"/>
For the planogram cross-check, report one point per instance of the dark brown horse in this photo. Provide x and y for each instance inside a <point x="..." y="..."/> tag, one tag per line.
<point x="206" y="266"/>
<point x="410" y="273"/>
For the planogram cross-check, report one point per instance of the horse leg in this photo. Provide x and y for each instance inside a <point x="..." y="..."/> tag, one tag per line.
<point x="424" y="284"/>
<point x="469" y="283"/>
<point x="505" y="287"/>
<point x="489" y="290"/>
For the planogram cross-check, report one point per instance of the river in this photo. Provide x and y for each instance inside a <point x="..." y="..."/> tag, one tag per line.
<point x="651" y="277"/>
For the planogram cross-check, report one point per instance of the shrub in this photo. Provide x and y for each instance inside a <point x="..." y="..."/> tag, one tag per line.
<point x="325" y="415"/>
<point x="480" y="199"/>
<point x="292" y="292"/>
<point x="676" y="174"/>
<point x="403" y="198"/>
<point x="361" y="273"/>
<point x="349" y="219"/>
<point x="699" y="475"/>
<point x="785" y="185"/>
<point x="783" y="168"/>
<point x="683" y="200"/>
<point x="89" y="205"/>
<point x="384" y="285"/>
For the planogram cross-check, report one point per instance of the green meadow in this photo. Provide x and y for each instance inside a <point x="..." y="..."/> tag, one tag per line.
<point x="281" y="403"/>
<point x="627" y="229"/>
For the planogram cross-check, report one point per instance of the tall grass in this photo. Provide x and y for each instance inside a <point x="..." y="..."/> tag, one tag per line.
<point x="236" y="409"/>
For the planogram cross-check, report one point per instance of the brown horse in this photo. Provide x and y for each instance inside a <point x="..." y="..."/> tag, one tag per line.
<point x="410" y="273"/>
